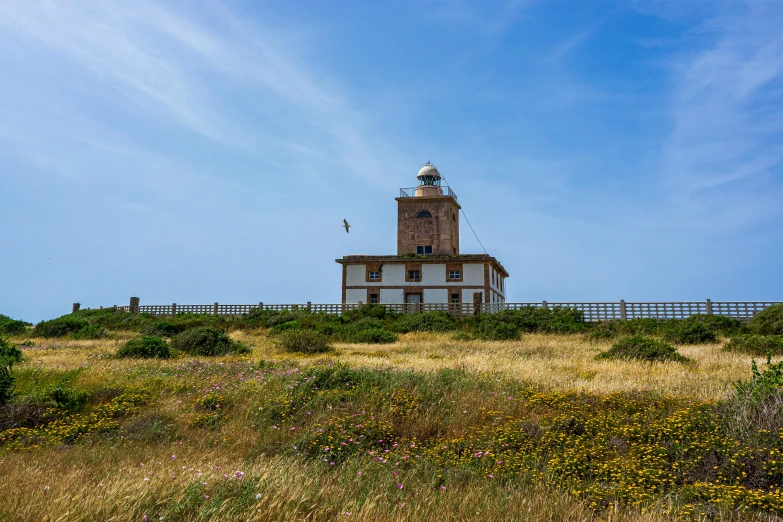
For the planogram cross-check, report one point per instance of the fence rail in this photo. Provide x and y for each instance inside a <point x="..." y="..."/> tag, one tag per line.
<point x="606" y="311"/>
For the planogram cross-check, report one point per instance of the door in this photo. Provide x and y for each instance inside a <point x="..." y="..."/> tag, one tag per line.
<point x="413" y="302"/>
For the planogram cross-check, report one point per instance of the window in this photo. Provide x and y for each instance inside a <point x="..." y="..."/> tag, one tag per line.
<point x="424" y="250"/>
<point x="453" y="274"/>
<point x="455" y="298"/>
<point x="373" y="298"/>
<point x="414" y="275"/>
<point x="374" y="276"/>
<point x="424" y="214"/>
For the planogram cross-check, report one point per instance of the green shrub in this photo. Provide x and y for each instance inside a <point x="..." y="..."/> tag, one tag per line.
<point x="89" y="332"/>
<point x="280" y="318"/>
<point x="10" y="326"/>
<point x="463" y="336"/>
<point x="145" y="347"/>
<point x="754" y="411"/>
<point x="375" y="311"/>
<point x="638" y="326"/>
<point x="66" y="398"/>
<point x="113" y="319"/>
<point x="537" y="319"/>
<point x="367" y="323"/>
<point x="642" y="349"/>
<point x="492" y="328"/>
<point x="284" y="327"/>
<point x="689" y="332"/>
<point x="718" y="324"/>
<point x="9" y="355"/>
<point x="70" y="325"/>
<point x="602" y="331"/>
<point x="160" y="329"/>
<point x="425" y="322"/>
<point x="756" y="344"/>
<point x="768" y="321"/>
<point x="372" y="336"/>
<point x="304" y="341"/>
<point x="208" y="341"/>
<point x="182" y="322"/>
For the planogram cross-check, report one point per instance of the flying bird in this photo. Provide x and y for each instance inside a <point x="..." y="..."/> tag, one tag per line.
<point x="347" y="226"/>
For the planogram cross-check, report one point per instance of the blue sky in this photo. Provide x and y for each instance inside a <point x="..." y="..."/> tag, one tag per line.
<point x="194" y="152"/>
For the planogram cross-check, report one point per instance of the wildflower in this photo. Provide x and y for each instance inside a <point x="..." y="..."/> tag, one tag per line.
<point x="144" y="517"/>
<point x="240" y="475"/>
<point x="490" y="476"/>
<point x="46" y="488"/>
<point x="394" y="473"/>
<point x="173" y="457"/>
<point x="399" y="486"/>
<point x="331" y="463"/>
<point x="443" y="488"/>
<point x="358" y="473"/>
<point x="258" y="496"/>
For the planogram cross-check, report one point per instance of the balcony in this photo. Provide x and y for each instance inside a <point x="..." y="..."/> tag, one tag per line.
<point x="442" y="191"/>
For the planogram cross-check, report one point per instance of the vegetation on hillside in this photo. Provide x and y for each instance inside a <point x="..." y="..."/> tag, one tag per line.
<point x="529" y="413"/>
<point x="641" y="348"/>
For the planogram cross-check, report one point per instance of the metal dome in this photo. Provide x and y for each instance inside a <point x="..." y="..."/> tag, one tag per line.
<point x="428" y="170"/>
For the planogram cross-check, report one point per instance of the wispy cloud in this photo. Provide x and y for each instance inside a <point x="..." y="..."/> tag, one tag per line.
<point x="725" y="152"/>
<point x="168" y="61"/>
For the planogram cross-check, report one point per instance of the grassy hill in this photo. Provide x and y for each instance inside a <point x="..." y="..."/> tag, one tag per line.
<point x="432" y="426"/>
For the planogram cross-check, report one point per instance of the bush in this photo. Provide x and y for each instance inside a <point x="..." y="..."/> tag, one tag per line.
<point x="161" y="329"/>
<point x="304" y="341"/>
<point x="689" y="332"/>
<point x="756" y="344"/>
<point x="375" y="311"/>
<point x="491" y="328"/>
<point x="372" y="336"/>
<point x="602" y="331"/>
<point x="113" y="319"/>
<point x="208" y="341"/>
<point x="755" y="409"/>
<point x="10" y="326"/>
<point x="768" y="321"/>
<point x="718" y="324"/>
<point x="145" y="347"/>
<point x="69" y="325"/>
<point x="9" y="355"/>
<point x="284" y="327"/>
<point x="425" y="322"/>
<point x="536" y="319"/>
<point x="642" y="349"/>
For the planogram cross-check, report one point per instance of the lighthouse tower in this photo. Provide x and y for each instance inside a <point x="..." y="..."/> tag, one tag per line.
<point x="428" y="217"/>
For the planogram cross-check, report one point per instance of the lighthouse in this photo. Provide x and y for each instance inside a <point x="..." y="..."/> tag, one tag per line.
<point x="428" y="266"/>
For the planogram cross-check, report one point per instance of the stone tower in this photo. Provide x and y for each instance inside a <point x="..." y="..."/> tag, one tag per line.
<point x="428" y="217"/>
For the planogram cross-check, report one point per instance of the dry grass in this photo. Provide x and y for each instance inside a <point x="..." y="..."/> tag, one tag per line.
<point x="109" y="479"/>
<point x="553" y="361"/>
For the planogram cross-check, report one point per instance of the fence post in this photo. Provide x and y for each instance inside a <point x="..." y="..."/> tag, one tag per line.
<point x="173" y="309"/>
<point x="709" y="307"/>
<point x="76" y="307"/>
<point x="309" y="306"/>
<point x="476" y="303"/>
<point x="623" y="316"/>
<point x="214" y="309"/>
<point x="134" y="305"/>
<point x="545" y="305"/>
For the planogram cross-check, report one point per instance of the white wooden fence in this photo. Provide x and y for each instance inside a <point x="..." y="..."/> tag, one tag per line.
<point x="602" y="311"/>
